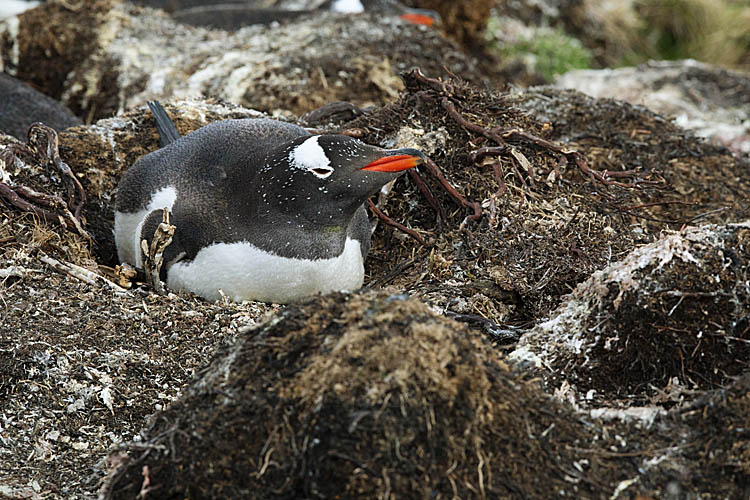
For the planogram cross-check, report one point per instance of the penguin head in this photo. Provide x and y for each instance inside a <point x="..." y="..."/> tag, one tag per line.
<point x="393" y="7"/>
<point x="332" y="175"/>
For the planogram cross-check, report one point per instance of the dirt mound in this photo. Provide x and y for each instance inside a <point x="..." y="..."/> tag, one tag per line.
<point x="672" y="313"/>
<point x="359" y="396"/>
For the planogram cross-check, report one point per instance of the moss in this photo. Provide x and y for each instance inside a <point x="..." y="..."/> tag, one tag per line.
<point x="550" y="52"/>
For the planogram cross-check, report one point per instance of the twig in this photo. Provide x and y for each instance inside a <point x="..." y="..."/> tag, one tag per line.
<point x="500" y="136"/>
<point x="435" y="84"/>
<point x="425" y="190"/>
<point x="392" y="273"/>
<point x="497" y="332"/>
<point x="500" y="178"/>
<point x="52" y="201"/>
<point x="705" y="214"/>
<point x="9" y="194"/>
<point x="387" y="220"/>
<point x="476" y="207"/>
<point x="48" y="207"/>
<point x="153" y="256"/>
<point x="51" y="154"/>
<point x="490" y="151"/>
<point x="79" y="272"/>
<point x="514" y="165"/>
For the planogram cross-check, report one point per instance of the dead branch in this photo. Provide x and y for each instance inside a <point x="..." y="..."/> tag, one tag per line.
<point x="79" y="273"/>
<point x="497" y="332"/>
<point x="49" y="207"/>
<point x="435" y="84"/>
<point x="500" y="137"/>
<point x="153" y="256"/>
<point x="425" y="190"/>
<point x="476" y="207"/>
<point x="387" y="220"/>
<point x="397" y="269"/>
<point x="38" y="132"/>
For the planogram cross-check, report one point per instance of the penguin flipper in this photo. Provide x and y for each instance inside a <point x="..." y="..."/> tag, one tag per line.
<point x="168" y="132"/>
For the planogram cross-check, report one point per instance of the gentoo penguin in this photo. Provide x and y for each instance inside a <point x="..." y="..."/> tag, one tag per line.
<point x="234" y="15"/>
<point x="263" y="209"/>
<point x="386" y="7"/>
<point x="22" y="105"/>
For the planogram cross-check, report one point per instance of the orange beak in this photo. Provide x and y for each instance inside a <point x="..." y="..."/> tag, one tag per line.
<point x="418" y="19"/>
<point x="393" y="163"/>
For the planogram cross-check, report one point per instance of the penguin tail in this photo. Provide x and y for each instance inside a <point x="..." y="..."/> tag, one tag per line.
<point x="168" y="132"/>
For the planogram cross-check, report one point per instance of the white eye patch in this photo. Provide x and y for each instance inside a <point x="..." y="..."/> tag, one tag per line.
<point x="311" y="157"/>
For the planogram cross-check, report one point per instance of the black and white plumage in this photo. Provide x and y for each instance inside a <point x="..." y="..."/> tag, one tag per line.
<point x="263" y="209"/>
<point x="22" y="105"/>
<point x="233" y="15"/>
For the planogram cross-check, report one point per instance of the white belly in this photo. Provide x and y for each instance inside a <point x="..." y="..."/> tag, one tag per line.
<point x="244" y="272"/>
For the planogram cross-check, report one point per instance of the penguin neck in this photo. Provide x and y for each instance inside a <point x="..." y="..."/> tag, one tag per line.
<point x="329" y="219"/>
<point x="292" y="234"/>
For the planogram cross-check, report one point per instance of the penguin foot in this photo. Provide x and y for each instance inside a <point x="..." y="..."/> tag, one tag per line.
<point x="42" y="148"/>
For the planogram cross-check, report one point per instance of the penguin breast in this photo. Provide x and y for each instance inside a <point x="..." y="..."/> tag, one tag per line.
<point x="241" y="271"/>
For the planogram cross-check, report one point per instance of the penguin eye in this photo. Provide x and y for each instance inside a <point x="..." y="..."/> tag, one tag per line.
<point x="322" y="172"/>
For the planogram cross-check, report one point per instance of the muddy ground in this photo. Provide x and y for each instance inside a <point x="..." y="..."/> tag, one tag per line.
<point x="574" y="324"/>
